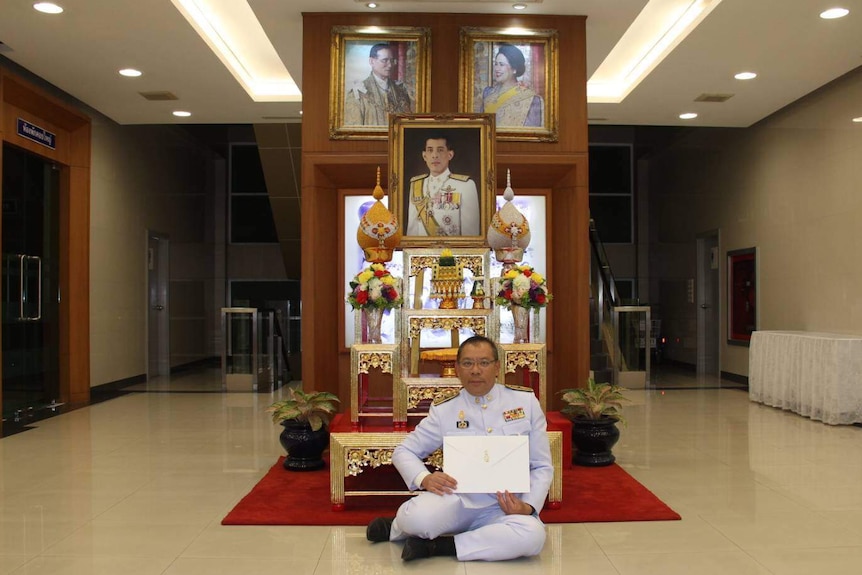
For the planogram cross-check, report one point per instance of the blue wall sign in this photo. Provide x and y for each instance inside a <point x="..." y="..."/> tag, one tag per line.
<point x="37" y="134"/>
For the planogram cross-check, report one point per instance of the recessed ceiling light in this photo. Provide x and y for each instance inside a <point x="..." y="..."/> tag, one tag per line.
<point x="48" y="7"/>
<point x="834" y="13"/>
<point x="745" y="76"/>
<point x="372" y="4"/>
<point x="688" y="116"/>
<point x="130" y="72"/>
<point x="182" y="114"/>
<point x="519" y="6"/>
<point x="858" y="120"/>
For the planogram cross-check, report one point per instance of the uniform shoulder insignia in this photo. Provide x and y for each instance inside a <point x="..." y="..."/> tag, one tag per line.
<point x="417" y="178"/>
<point x="519" y="388"/>
<point x="440" y="400"/>
<point x="459" y="177"/>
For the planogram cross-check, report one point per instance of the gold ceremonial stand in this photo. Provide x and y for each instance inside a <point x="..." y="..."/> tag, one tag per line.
<point x="532" y="360"/>
<point x="376" y="426"/>
<point x="365" y="358"/>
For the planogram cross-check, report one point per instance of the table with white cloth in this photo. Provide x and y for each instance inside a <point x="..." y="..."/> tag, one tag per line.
<point x="818" y="375"/>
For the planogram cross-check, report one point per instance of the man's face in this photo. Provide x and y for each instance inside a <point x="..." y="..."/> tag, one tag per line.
<point x="477" y="368"/>
<point x="437" y="155"/>
<point x="382" y="64"/>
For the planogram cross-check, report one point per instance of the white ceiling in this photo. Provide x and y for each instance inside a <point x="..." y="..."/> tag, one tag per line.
<point x="784" y="41"/>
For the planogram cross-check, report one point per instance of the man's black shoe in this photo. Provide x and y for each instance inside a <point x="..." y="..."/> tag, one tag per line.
<point x="378" y="530"/>
<point x="418" y="548"/>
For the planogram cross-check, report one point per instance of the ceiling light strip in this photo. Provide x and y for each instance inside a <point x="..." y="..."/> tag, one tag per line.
<point x="653" y="35"/>
<point x="233" y="33"/>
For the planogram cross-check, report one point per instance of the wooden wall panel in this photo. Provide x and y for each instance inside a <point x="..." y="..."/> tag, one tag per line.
<point x="330" y="167"/>
<point x="75" y="282"/>
<point x="445" y="47"/>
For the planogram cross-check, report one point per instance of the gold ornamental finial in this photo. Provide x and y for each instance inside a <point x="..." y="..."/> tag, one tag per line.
<point x="378" y="191"/>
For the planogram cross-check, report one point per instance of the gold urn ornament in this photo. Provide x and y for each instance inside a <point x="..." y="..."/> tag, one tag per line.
<point x="509" y="232"/>
<point x="378" y="234"/>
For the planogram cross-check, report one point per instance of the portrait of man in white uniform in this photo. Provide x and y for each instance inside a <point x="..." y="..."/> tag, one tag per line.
<point x="439" y="202"/>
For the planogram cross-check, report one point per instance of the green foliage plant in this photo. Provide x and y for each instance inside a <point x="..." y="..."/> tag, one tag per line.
<point x="315" y="408"/>
<point x="595" y="401"/>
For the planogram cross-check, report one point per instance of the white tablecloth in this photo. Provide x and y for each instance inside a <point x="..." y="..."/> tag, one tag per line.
<point x="818" y="375"/>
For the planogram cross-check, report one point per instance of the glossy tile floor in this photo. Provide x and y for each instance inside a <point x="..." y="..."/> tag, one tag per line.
<point x="137" y="485"/>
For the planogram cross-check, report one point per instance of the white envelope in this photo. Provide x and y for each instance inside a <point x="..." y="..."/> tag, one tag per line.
<point x="487" y="464"/>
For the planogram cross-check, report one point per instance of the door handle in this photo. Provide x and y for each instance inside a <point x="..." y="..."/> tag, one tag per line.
<point x="158" y="307"/>
<point x="704" y="306"/>
<point x="24" y="289"/>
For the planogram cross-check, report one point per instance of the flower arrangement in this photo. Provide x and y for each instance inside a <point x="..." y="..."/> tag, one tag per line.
<point x="374" y="287"/>
<point x="523" y="286"/>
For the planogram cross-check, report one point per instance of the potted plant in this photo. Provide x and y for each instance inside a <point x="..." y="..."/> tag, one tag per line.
<point x="305" y="418"/>
<point x="594" y="411"/>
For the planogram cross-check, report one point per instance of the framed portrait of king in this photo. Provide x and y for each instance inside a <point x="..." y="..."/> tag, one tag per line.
<point x="442" y="185"/>
<point x="514" y="77"/>
<point x="374" y="74"/>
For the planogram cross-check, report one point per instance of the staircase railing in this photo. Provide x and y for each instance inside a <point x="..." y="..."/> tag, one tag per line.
<point x="623" y="332"/>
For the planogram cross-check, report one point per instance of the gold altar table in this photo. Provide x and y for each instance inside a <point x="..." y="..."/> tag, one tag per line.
<point x="352" y="453"/>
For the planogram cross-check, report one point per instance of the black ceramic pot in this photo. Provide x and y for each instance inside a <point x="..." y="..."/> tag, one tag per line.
<point x="304" y="447"/>
<point x="592" y="440"/>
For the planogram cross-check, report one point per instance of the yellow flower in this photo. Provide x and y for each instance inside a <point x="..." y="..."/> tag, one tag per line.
<point x="364" y="276"/>
<point x="377" y="267"/>
<point x="537" y="278"/>
<point x="511" y="274"/>
<point x="388" y="280"/>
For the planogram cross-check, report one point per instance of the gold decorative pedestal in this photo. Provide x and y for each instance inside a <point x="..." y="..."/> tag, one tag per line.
<point x="532" y="357"/>
<point x="445" y="356"/>
<point x="364" y="357"/>
<point x="416" y="390"/>
<point x="352" y="453"/>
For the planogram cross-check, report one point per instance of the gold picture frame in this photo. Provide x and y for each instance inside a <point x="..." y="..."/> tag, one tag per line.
<point x="435" y="211"/>
<point x="358" y="105"/>
<point x="524" y="98"/>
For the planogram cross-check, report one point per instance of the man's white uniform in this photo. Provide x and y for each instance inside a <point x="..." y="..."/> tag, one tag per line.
<point x="444" y="205"/>
<point x="483" y="531"/>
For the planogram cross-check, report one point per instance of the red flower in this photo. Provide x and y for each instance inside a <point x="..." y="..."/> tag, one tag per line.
<point x="527" y="273"/>
<point x="380" y="273"/>
<point x="507" y="294"/>
<point x="540" y="298"/>
<point x="362" y="297"/>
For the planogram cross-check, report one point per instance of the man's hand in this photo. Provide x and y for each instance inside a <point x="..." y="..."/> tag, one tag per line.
<point x="439" y="483"/>
<point x="512" y="505"/>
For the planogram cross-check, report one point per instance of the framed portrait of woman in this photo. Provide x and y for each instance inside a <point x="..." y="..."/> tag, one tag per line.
<point x="441" y="185"/>
<point x="513" y="77"/>
<point x="375" y="73"/>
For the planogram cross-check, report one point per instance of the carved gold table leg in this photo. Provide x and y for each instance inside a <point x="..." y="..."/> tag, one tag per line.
<point x="555" y="494"/>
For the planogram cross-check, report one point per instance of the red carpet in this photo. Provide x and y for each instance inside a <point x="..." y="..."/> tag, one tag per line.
<point x="590" y="494"/>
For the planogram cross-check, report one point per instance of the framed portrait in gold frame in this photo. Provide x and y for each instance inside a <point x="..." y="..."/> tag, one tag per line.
<point x="442" y="184"/>
<point x="514" y="77"/>
<point x="375" y="73"/>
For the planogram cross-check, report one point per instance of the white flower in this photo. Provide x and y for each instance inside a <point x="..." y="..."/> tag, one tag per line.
<point x="374" y="293"/>
<point x="521" y="283"/>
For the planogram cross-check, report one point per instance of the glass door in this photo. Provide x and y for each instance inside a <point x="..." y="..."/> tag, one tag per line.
<point x="30" y="283"/>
